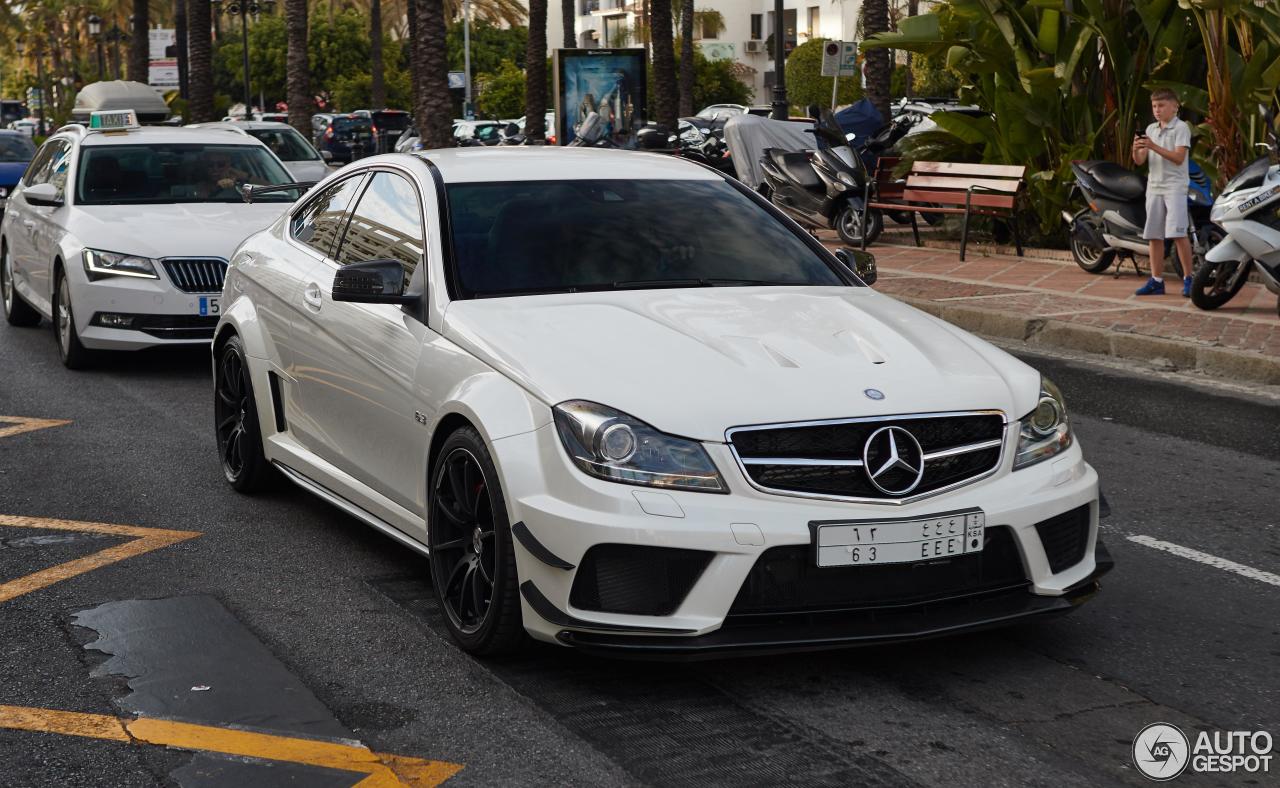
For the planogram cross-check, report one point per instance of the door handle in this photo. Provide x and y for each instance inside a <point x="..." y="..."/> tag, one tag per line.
<point x="311" y="296"/>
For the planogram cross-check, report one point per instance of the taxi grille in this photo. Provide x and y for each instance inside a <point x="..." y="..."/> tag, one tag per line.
<point x="196" y="275"/>
<point x="827" y="458"/>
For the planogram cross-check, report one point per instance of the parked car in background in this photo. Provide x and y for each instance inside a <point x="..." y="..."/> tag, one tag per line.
<point x="470" y="133"/>
<point x="388" y="125"/>
<point x="271" y="117"/>
<point x="16" y="152"/>
<point x="11" y="110"/>
<point x="24" y="126"/>
<point x="346" y="138"/>
<point x="298" y="156"/>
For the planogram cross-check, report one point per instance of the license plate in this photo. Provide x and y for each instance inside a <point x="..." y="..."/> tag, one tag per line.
<point x="209" y="306"/>
<point x="864" y="542"/>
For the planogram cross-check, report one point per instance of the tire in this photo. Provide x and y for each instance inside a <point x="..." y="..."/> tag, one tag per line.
<point x="848" y="225"/>
<point x="235" y="420"/>
<point x="1087" y="256"/>
<point x="1211" y="286"/>
<point x="900" y="217"/>
<point x="73" y="354"/>
<point x="16" y="311"/>
<point x="1209" y="235"/>
<point x="473" y="564"/>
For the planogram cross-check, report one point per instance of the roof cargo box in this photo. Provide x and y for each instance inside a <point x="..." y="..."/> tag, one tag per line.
<point x="146" y="103"/>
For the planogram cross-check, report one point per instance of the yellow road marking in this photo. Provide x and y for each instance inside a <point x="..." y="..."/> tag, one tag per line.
<point x="22" y="424"/>
<point x="145" y="540"/>
<point x="382" y="769"/>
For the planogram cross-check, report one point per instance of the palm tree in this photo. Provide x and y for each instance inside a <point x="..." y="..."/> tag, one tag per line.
<point x="876" y="20"/>
<point x="378" y="86"/>
<point x="297" y="68"/>
<point x="433" y="112"/>
<point x="569" y="18"/>
<point x="666" y="100"/>
<point x="199" y="62"/>
<point x="140" y="43"/>
<point x="686" y="58"/>
<point x="535" y="72"/>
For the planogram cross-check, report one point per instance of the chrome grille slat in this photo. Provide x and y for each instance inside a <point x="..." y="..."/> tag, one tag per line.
<point x="196" y="274"/>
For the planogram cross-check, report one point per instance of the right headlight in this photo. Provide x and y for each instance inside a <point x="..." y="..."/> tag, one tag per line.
<point x="98" y="264"/>
<point x="1045" y="431"/>
<point x="608" y="444"/>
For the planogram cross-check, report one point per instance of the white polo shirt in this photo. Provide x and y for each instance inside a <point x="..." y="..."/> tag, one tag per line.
<point x="1165" y="177"/>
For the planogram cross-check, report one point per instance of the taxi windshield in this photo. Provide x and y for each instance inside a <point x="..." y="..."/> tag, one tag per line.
<point x="161" y="173"/>
<point x="286" y="144"/>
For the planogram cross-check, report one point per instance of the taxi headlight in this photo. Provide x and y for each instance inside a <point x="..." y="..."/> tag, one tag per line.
<point x="99" y="264"/>
<point x="1044" y="431"/>
<point x="609" y="444"/>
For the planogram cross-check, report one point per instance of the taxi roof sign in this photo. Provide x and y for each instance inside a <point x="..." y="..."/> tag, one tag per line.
<point x="113" y="119"/>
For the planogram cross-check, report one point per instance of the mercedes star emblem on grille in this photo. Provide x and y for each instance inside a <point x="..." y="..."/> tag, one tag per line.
<point x="893" y="460"/>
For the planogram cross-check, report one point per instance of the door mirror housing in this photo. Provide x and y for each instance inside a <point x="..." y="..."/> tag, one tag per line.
<point x="326" y="155"/>
<point x="862" y="263"/>
<point x="43" y="194"/>
<point x="372" y="282"/>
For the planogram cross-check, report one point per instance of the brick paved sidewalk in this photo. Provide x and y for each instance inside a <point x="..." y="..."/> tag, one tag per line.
<point x="1055" y="303"/>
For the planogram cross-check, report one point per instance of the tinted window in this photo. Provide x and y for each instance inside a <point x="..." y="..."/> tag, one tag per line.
<point x="346" y="127"/>
<point x="14" y="147"/>
<point x="556" y="236"/>
<point x="386" y="225"/>
<point x="38" y="170"/>
<point x="318" y="223"/>
<point x="392" y="121"/>
<point x="130" y="174"/>
<point x="286" y="144"/>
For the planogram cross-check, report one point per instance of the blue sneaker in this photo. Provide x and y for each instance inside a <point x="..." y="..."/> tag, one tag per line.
<point x="1186" y="287"/>
<point x="1152" y="287"/>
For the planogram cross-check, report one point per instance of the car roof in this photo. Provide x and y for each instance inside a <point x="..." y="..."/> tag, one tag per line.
<point x="170" y="135"/>
<point x="538" y="163"/>
<point x="241" y="125"/>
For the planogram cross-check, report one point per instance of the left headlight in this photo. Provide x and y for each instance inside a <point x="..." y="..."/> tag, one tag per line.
<point x="1044" y="431"/>
<point x="98" y="264"/>
<point x="609" y="444"/>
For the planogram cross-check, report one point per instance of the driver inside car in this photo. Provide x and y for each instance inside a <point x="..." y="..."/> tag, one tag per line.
<point x="219" y="175"/>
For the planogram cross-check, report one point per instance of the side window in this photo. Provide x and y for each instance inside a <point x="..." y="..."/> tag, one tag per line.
<point x="386" y="225"/>
<point x="318" y="223"/>
<point x="38" y="170"/>
<point x="59" y="163"/>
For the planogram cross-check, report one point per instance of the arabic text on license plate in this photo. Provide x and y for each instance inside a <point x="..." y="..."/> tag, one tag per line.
<point x="209" y="306"/>
<point x="900" y="541"/>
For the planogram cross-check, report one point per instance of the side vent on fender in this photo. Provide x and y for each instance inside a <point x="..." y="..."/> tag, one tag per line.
<point x="277" y="402"/>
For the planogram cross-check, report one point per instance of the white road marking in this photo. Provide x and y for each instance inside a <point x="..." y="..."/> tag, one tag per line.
<point x="1208" y="560"/>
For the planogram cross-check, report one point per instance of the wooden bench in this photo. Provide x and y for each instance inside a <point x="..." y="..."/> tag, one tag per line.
<point x="948" y="188"/>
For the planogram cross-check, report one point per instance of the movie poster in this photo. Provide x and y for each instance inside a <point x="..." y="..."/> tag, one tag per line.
<point x="609" y="82"/>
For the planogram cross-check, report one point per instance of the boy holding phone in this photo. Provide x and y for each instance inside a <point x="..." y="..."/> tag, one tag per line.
<point x="1169" y="139"/>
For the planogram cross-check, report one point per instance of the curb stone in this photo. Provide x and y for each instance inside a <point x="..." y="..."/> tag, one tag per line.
<point x="1049" y="333"/>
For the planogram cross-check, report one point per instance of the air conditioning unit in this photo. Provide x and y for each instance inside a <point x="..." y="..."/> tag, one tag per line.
<point x="755" y="47"/>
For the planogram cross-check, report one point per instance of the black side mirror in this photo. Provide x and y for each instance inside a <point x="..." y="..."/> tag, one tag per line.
<point x="372" y="282"/>
<point x="863" y="264"/>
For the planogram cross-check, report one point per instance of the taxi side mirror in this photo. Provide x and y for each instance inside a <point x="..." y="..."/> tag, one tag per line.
<point x="43" y="194"/>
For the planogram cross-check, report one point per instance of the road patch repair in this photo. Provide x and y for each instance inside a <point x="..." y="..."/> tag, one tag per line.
<point x="16" y="425"/>
<point x="200" y="681"/>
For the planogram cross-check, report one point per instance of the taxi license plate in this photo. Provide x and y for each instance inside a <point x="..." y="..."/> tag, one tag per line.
<point x="857" y="543"/>
<point x="209" y="306"/>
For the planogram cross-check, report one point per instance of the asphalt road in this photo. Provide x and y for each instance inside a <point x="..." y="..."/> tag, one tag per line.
<point x="286" y="615"/>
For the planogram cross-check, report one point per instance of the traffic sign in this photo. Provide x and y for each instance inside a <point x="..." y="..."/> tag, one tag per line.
<point x="840" y="58"/>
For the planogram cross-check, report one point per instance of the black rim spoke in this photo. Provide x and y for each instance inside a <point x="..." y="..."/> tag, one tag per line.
<point x="463" y="547"/>
<point x="452" y="544"/>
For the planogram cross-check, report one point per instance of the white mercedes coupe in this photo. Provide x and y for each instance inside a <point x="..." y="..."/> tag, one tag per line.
<point x="625" y="405"/>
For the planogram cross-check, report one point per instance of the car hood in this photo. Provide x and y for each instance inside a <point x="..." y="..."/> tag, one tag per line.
<point x="309" y="170"/>
<point x="695" y="362"/>
<point x="174" y="230"/>
<point x="11" y="171"/>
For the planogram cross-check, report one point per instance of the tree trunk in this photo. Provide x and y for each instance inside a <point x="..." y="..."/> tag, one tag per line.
<point x="535" y="73"/>
<point x="378" y="87"/>
<point x="686" y="58"/>
<point x="199" y="62"/>
<point x="297" y="67"/>
<point x="569" y="18"/>
<point x="411" y="14"/>
<point x="180" y="36"/>
<point x="139" y="43"/>
<point x="913" y="9"/>
<point x="876" y="20"/>
<point x="666" y="102"/>
<point x="433" y="114"/>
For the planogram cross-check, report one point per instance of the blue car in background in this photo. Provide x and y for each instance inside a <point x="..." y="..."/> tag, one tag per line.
<point x="16" y="152"/>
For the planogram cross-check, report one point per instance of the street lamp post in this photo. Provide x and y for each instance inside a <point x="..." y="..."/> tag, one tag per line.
<point x="781" y="109"/>
<point x="115" y="35"/>
<point x="466" y="60"/>
<point x="243" y="8"/>
<point x="95" y="32"/>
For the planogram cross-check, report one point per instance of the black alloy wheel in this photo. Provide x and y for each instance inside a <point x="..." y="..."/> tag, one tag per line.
<point x="235" y="416"/>
<point x="472" y="561"/>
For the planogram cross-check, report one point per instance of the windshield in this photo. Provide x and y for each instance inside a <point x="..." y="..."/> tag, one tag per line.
<point x="391" y="121"/>
<point x="286" y="144"/>
<point x="129" y="174"/>
<point x="346" y="127"/>
<point x="563" y="236"/>
<point x="16" y="148"/>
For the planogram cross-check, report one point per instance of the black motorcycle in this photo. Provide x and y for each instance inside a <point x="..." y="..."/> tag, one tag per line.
<point x="1112" y="220"/>
<point x="821" y="188"/>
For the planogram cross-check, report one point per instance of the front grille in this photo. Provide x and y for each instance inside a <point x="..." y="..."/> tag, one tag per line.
<point x="1065" y="538"/>
<point x="196" y="275"/>
<point x="640" y="580"/>
<point x="786" y="580"/>
<point x="827" y="458"/>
